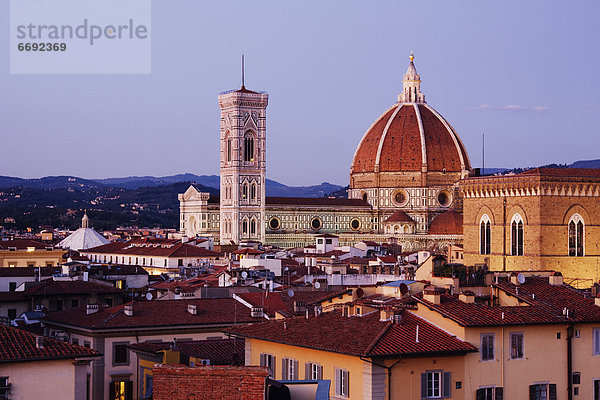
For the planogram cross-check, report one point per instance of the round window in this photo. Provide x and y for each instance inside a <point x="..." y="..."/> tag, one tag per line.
<point x="355" y="224"/>
<point x="274" y="223"/>
<point x="400" y="197"/>
<point x="316" y="223"/>
<point x="444" y="198"/>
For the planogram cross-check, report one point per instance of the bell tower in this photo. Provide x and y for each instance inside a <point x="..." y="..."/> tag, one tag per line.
<point x="243" y="165"/>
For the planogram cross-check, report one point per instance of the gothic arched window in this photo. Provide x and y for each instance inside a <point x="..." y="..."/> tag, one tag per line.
<point x="576" y="241"/>
<point x="248" y="147"/>
<point x="253" y="191"/>
<point x="485" y="235"/>
<point x="253" y="227"/>
<point x="245" y="191"/>
<point x="228" y="149"/>
<point x="516" y="235"/>
<point x="245" y="227"/>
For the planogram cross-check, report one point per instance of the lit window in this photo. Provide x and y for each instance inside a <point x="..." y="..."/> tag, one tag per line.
<point x="485" y="235"/>
<point x="516" y="235"/>
<point x="576" y="229"/>
<point x="245" y="191"/>
<point x="516" y="345"/>
<point x="245" y="227"/>
<point x="342" y="382"/>
<point x="253" y="191"/>
<point x="487" y="346"/>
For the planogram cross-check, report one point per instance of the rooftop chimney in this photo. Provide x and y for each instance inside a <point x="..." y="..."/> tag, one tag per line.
<point x="192" y="309"/>
<point x="91" y="309"/>
<point x="513" y="279"/>
<point x="257" y="312"/>
<point x="128" y="309"/>
<point x="597" y="301"/>
<point x="432" y="295"/>
<point x="467" y="297"/>
<point x="386" y="314"/>
<point x="39" y="342"/>
<point x="555" y="279"/>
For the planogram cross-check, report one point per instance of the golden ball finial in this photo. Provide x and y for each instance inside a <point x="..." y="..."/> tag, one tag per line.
<point x="412" y="57"/>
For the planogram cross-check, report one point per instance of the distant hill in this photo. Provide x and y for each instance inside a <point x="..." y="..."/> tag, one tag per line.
<point x="273" y="188"/>
<point x="586" y="164"/>
<point x="50" y="182"/>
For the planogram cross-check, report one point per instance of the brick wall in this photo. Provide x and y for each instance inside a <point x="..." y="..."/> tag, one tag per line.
<point x="209" y="382"/>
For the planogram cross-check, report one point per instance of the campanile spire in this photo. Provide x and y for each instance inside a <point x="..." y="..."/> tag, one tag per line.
<point x="411" y="85"/>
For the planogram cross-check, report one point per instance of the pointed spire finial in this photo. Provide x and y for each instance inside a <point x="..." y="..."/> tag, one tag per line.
<point x="411" y="84"/>
<point x="412" y="56"/>
<point x="243" y="87"/>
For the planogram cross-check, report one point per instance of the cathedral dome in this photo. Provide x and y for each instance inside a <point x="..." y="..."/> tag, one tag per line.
<point x="409" y="137"/>
<point x="447" y="223"/>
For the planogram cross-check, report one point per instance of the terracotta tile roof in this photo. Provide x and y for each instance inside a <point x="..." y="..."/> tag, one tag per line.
<point x="50" y="287"/>
<point x="546" y="308"/>
<point x="447" y="223"/>
<point x="248" y="251"/>
<point x="273" y="302"/>
<point x="8" y="297"/>
<point x="316" y="202"/>
<point x="156" y="313"/>
<point x="567" y="172"/>
<point x="358" y="260"/>
<point x="144" y="249"/>
<point x="22" y="244"/>
<point x="219" y="352"/>
<point x="399" y="216"/>
<point x="387" y="259"/>
<point x="119" y="269"/>
<point x="29" y="271"/>
<point x="18" y="345"/>
<point x="363" y="336"/>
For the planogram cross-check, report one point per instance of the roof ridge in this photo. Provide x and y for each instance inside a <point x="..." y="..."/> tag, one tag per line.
<point x="377" y="338"/>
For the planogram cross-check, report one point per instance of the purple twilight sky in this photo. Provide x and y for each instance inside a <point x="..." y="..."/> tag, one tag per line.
<point x="523" y="72"/>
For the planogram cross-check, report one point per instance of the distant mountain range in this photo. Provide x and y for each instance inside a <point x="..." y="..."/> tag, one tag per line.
<point x="135" y="182"/>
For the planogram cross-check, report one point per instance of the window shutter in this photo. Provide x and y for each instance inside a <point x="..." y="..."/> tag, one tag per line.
<point x="447" y="381"/>
<point x="491" y="343"/>
<point x="480" y="394"/>
<point x="498" y="393"/>
<point x="320" y="372"/>
<point x="532" y="392"/>
<point x="129" y="390"/>
<point x="296" y="374"/>
<point x="423" y="386"/>
<point x="338" y="382"/>
<point x="552" y="391"/>
<point x="307" y="374"/>
<point x="262" y="360"/>
<point x="284" y="369"/>
<point x="273" y="367"/>
<point x="111" y="390"/>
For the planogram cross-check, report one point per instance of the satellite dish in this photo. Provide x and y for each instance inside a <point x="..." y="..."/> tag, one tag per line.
<point x="286" y="269"/>
<point x="360" y="293"/>
<point x="149" y="296"/>
<point x="521" y="278"/>
<point x="317" y="285"/>
<point x="291" y="292"/>
<point x="244" y="274"/>
<point x="403" y="288"/>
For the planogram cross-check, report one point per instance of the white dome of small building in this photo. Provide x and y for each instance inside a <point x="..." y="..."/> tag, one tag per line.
<point x="84" y="237"/>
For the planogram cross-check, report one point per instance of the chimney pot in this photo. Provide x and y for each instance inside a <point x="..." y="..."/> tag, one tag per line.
<point x="39" y="342"/>
<point x="128" y="309"/>
<point x="91" y="309"/>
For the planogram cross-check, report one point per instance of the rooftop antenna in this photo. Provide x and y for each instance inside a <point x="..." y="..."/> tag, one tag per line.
<point x="243" y="87"/>
<point x="483" y="156"/>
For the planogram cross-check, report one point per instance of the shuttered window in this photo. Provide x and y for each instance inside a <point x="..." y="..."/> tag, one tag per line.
<point x="596" y="339"/>
<point x="313" y="371"/>
<point x="487" y="346"/>
<point x="342" y="382"/>
<point x="289" y="369"/>
<point x="268" y="360"/>
<point x="490" y="393"/>
<point x="435" y="385"/>
<point x="542" y="391"/>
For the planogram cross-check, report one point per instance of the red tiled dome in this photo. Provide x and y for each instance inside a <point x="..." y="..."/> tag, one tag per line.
<point x="447" y="223"/>
<point x="408" y="137"/>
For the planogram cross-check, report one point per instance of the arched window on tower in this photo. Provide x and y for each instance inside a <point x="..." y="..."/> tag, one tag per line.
<point x="485" y="235"/>
<point x="248" y="147"/>
<point x="245" y="191"/>
<point x="229" y="151"/>
<point x="245" y="226"/>
<point x="253" y="227"/>
<point x="516" y="235"/>
<point x="576" y="239"/>
<point x="253" y="191"/>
